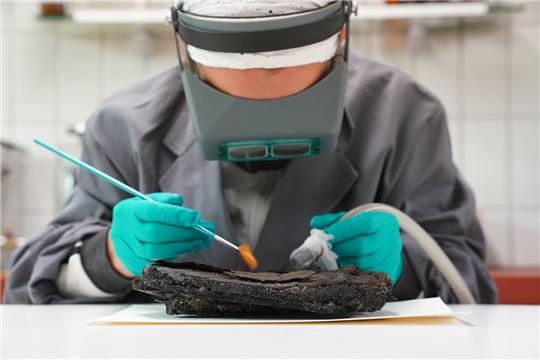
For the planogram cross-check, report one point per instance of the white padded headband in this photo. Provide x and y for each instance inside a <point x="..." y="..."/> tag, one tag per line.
<point x="314" y="53"/>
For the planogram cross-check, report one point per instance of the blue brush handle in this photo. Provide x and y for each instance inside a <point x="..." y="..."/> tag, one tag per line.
<point x="108" y="178"/>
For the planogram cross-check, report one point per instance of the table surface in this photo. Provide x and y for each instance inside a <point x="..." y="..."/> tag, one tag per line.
<point x="60" y="331"/>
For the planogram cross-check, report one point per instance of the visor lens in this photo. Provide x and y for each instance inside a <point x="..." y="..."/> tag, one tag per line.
<point x="269" y="149"/>
<point x="290" y="150"/>
<point x="246" y="153"/>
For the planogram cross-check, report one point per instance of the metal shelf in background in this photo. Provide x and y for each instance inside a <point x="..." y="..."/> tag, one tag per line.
<point x="119" y="16"/>
<point x="421" y="11"/>
<point x="366" y="11"/>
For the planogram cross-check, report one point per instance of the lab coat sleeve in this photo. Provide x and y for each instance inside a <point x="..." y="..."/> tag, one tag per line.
<point x="428" y="187"/>
<point x="88" y="272"/>
<point x="73" y="279"/>
<point x="85" y="218"/>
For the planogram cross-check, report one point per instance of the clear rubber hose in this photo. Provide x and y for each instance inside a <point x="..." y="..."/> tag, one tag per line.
<point x="428" y="244"/>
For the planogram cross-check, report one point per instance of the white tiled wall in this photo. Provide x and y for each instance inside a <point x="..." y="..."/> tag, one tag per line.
<point x="485" y="161"/>
<point x="485" y="66"/>
<point x="496" y="226"/>
<point x="524" y="191"/>
<point x="486" y="73"/>
<point x="78" y="72"/>
<point x="442" y="52"/>
<point x="523" y="60"/>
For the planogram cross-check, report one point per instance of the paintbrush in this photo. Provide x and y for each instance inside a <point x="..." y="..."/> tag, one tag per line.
<point x="244" y="250"/>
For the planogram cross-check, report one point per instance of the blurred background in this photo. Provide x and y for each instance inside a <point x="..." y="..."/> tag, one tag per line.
<point x="60" y="60"/>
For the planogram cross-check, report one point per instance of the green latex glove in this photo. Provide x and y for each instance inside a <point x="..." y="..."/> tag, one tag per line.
<point x="142" y="230"/>
<point x="369" y="240"/>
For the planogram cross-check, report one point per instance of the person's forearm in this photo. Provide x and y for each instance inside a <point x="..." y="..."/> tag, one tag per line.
<point x="100" y="266"/>
<point x="90" y="272"/>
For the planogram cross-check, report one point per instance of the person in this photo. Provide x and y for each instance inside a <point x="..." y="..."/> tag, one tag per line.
<point x="229" y="144"/>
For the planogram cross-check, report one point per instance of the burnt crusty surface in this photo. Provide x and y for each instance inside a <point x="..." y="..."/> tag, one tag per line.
<point x="189" y="288"/>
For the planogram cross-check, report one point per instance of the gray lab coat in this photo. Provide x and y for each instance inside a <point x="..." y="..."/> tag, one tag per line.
<point x="394" y="148"/>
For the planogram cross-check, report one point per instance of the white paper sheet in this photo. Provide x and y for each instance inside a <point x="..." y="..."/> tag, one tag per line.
<point x="155" y="314"/>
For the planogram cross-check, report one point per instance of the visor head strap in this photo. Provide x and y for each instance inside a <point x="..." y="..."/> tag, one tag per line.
<point x="266" y="36"/>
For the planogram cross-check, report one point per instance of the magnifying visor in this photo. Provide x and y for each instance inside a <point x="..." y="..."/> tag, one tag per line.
<point x="230" y="128"/>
